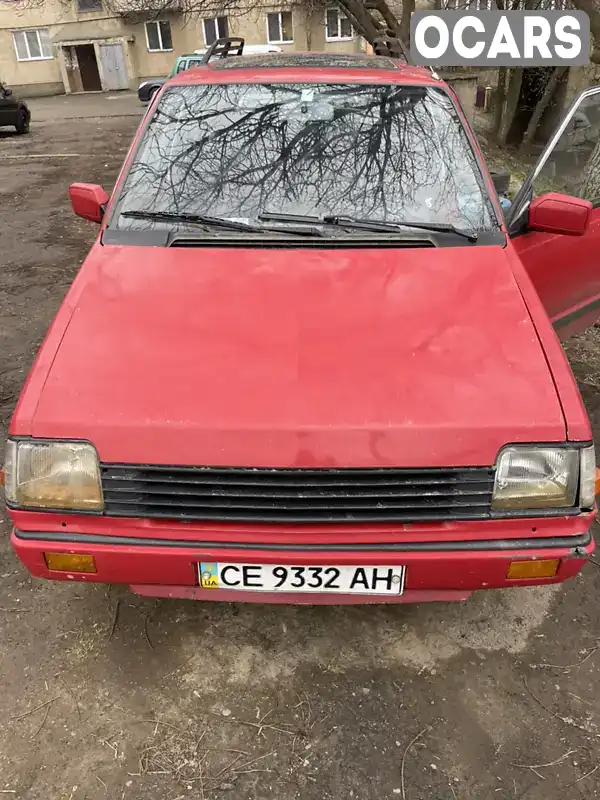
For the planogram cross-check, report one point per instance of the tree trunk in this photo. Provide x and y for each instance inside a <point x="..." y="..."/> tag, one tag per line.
<point x="542" y="105"/>
<point x="590" y="186"/>
<point x="500" y="100"/>
<point x="503" y="75"/>
<point x="361" y="19"/>
<point x="593" y="12"/>
<point x="512" y="103"/>
<point x="390" y="19"/>
<point x="408" y="6"/>
<point x="381" y="29"/>
<point x="509" y="84"/>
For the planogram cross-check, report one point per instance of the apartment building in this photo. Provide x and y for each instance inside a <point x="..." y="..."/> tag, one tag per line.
<point x="81" y="46"/>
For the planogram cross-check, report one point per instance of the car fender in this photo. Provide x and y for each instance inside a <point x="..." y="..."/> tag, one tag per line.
<point x="577" y="422"/>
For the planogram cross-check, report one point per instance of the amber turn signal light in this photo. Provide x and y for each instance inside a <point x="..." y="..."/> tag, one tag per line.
<point x="3" y="478"/>
<point x="597" y="483"/>
<point x="70" y="562"/>
<point x="543" y="568"/>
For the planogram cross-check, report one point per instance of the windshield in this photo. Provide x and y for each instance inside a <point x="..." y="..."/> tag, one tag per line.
<point x="237" y="151"/>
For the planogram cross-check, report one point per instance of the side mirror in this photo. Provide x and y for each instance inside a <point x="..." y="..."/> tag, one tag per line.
<point x="559" y="213"/>
<point x="7" y="92"/>
<point x="88" y="200"/>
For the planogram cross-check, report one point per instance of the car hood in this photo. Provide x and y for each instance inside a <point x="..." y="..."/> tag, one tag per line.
<point x="299" y="357"/>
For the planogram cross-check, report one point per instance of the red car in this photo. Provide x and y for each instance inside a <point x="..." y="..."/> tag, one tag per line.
<point x="306" y="359"/>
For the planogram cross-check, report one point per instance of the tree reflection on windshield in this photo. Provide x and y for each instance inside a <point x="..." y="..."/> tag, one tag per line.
<point x="385" y="152"/>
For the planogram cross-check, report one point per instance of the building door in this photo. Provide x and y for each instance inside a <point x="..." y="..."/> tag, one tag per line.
<point x="114" y="67"/>
<point x="72" y="68"/>
<point x="88" y="67"/>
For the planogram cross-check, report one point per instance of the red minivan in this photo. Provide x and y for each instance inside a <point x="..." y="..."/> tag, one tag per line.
<point x="307" y="359"/>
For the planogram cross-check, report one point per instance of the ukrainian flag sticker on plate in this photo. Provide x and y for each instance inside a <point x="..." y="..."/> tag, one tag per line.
<point x="209" y="575"/>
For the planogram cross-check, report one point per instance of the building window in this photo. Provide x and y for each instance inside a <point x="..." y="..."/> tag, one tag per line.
<point x="337" y="25"/>
<point x="89" y="5"/>
<point x="279" y="27"/>
<point x="158" y="36"/>
<point x="32" y="45"/>
<point x="215" y="28"/>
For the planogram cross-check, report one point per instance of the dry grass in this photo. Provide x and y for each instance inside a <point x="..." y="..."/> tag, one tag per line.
<point x="583" y="352"/>
<point x="216" y="752"/>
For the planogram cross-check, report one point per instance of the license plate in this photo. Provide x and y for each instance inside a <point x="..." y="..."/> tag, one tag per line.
<point x="279" y="578"/>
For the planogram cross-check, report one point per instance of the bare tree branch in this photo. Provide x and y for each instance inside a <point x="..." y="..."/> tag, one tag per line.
<point x="592" y="9"/>
<point x="543" y="104"/>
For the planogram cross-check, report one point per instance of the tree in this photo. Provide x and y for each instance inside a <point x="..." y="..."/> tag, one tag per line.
<point x="592" y="9"/>
<point x="524" y="97"/>
<point x="590" y="186"/>
<point x="385" y="25"/>
<point x="378" y="23"/>
<point x="543" y="104"/>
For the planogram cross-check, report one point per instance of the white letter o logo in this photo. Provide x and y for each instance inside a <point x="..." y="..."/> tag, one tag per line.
<point x="420" y="29"/>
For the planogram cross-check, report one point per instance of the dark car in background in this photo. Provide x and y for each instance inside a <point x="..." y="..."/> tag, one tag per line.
<point x="13" y="111"/>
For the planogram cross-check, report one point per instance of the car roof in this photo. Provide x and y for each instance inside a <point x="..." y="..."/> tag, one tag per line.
<point x="310" y="67"/>
<point x="311" y="59"/>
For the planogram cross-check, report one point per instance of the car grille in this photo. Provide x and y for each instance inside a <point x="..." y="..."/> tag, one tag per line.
<point x="295" y="495"/>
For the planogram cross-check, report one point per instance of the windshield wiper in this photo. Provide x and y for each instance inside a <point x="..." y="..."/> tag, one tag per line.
<point x="216" y="222"/>
<point x="368" y="224"/>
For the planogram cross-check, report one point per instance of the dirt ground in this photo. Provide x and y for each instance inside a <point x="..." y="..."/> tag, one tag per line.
<point x="108" y="695"/>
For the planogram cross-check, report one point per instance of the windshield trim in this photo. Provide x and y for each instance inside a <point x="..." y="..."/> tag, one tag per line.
<point x="164" y="237"/>
<point x="496" y="217"/>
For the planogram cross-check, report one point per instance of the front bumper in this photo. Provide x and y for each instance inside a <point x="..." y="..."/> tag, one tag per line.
<point x="439" y="570"/>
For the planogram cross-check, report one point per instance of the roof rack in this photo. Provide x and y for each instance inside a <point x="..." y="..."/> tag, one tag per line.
<point x="221" y="48"/>
<point x="391" y="46"/>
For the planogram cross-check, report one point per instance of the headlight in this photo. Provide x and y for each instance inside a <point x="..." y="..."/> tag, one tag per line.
<point x="541" y="477"/>
<point x="58" y="475"/>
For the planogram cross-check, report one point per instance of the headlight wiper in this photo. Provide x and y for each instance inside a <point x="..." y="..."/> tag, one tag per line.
<point x="216" y="222"/>
<point x="368" y="224"/>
